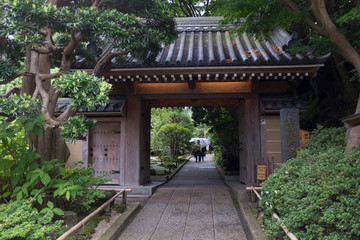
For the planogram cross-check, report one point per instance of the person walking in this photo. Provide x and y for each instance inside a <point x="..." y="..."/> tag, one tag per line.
<point x="203" y="153"/>
<point x="197" y="151"/>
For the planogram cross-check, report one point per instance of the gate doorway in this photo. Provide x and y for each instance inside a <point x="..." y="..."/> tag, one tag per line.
<point x="227" y="113"/>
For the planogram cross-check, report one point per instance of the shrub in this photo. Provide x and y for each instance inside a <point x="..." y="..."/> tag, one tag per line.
<point x="87" y="194"/>
<point x="19" y="220"/>
<point x="316" y="194"/>
<point x="120" y="208"/>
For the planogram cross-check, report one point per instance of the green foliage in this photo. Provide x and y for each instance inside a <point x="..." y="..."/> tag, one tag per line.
<point x="15" y="106"/>
<point x="131" y="32"/>
<point x="189" y="8"/>
<point x="224" y="133"/>
<point x="9" y="68"/>
<point x="256" y="16"/>
<point x="176" y="137"/>
<point x="83" y="89"/>
<point x="317" y="193"/>
<point x="261" y="17"/>
<point x="76" y="128"/>
<point x="22" y="177"/>
<point x="120" y="208"/>
<point x="161" y="117"/>
<point x="19" y="220"/>
<point x="86" y="194"/>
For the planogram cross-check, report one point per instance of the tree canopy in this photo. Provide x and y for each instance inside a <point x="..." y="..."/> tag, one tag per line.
<point x="321" y="26"/>
<point x="39" y="35"/>
<point x="171" y="130"/>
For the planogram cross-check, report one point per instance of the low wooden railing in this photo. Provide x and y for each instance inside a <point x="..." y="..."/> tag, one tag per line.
<point x="82" y="222"/>
<point x="289" y="234"/>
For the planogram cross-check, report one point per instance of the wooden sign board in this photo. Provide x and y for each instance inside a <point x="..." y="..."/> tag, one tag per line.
<point x="261" y="172"/>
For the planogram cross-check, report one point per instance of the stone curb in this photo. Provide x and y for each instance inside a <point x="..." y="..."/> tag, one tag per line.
<point x="243" y="199"/>
<point x="177" y="169"/>
<point x="119" y="224"/>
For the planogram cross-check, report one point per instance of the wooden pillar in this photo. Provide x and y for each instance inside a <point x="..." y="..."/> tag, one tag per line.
<point x="145" y="150"/>
<point x="290" y="132"/>
<point x="252" y="136"/>
<point x="133" y="141"/>
<point x="242" y="153"/>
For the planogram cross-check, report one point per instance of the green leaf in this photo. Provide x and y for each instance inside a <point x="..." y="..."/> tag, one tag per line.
<point x="34" y="178"/>
<point x="45" y="179"/>
<point x="58" y="211"/>
<point x="35" y="192"/>
<point x="67" y="195"/>
<point x="44" y="210"/>
<point x="62" y="171"/>
<point x="19" y="196"/>
<point x="6" y="194"/>
<point x="39" y="199"/>
<point x="4" y="187"/>
<point x="57" y="192"/>
<point x="50" y="204"/>
<point x="24" y="189"/>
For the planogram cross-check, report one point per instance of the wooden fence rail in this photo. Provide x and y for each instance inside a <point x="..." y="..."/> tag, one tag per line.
<point x="289" y="234"/>
<point x="82" y="222"/>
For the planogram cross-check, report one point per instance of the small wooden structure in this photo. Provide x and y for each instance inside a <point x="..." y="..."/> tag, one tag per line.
<point x="205" y="66"/>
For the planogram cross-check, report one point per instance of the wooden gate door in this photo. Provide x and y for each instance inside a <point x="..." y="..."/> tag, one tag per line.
<point x="104" y="150"/>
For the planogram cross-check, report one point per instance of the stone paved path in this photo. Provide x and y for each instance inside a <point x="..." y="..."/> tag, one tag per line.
<point x="195" y="205"/>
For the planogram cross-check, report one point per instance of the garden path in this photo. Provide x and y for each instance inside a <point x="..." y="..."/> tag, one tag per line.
<point x="194" y="205"/>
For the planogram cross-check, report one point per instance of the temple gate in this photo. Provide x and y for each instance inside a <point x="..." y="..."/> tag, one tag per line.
<point x="205" y="66"/>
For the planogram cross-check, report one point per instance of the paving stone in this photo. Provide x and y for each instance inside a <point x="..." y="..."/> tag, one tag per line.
<point x="195" y="205"/>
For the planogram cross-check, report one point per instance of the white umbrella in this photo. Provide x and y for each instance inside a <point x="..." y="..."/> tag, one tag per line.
<point x="203" y="141"/>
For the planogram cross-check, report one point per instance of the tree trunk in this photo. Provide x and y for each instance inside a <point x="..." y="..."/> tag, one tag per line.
<point x="345" y="48"/>
<point x="28" y="83"/>
<point x="353" y="134"/>
<point x="350" y="91"/>
<point x="48" y="145"/>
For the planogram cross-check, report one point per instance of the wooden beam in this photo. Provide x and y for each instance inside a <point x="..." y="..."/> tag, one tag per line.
<point x="191" y="84"/>
<point x="273" y="86"/>
<point x="201" y="88"/>
<point x="193" y="102"/>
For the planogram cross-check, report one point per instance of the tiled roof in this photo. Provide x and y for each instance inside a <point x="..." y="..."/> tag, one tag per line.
<point x="115" y="105"/>
<point x="202" y="42"/>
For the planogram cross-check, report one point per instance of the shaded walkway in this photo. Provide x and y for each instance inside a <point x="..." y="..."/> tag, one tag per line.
<point x="196" y="204"/>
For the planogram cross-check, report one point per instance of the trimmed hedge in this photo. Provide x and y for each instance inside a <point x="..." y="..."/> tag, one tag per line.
<point x="316" y="194"/>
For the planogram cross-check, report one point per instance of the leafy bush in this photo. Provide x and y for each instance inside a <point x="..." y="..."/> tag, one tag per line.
<point x="316" y="194"/>
<point x="87" y="194"/>
<point x="28" y="186"/>
<point x="120" y="208"/>
<point x="19" y="220"/>
<point x="175" y="137"/>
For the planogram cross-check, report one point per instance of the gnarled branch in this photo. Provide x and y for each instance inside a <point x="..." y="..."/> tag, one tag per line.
<point x="69" y="112"/>
<point x="318" y="8"/>
<point x="11" y="91"/>
<point x="306" y="19"/>
<point x="100" y="66"/>
<point x="16" y="75"/>
<point x="44" y="77"/>
<point x="96" y="3"/>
